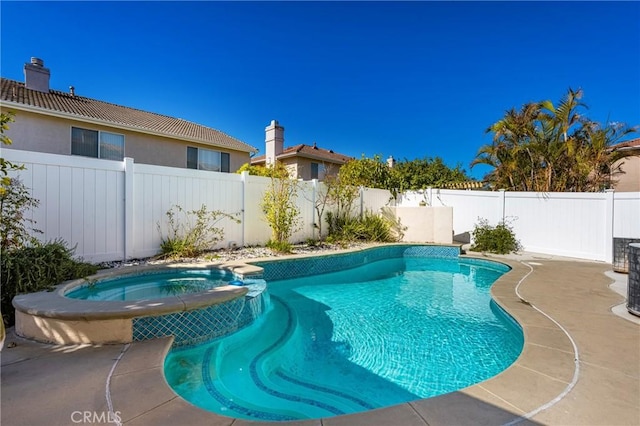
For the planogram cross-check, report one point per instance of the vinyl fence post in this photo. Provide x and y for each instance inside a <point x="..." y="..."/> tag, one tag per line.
<point x="129" y="231"/>
<point x="244" y="176"/>
<point x="608" y="223"/>
<point x="501" y="201"/>
<point x="313" y="209"/>
<point x="361" y="202"/>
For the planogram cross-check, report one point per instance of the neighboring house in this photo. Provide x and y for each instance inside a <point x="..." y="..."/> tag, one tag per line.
<point x="64" y="123"/>
<point x="303" y="161"/>
<point x="629" y="179"/>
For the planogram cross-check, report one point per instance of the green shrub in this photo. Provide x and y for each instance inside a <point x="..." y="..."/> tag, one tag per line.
<point x="37" y="267"/>
<point x="336" y="223"/>
<point x="279" y="246"/>
<point x="371" y="227"/>
<point x="312" y="242"/>
<point x="499" y="239"/>
<point x="191" y="233"/>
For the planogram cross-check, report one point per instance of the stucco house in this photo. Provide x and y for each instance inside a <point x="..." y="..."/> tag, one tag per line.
<point x="57" y="122"/>
<point x="303" y="161"/>
<point x="629" y="179"/>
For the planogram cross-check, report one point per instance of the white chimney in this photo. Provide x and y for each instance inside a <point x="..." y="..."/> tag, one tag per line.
<point x="274" y="141"/>
<point x="36" y="76"/>
<point x="391" y="162"/>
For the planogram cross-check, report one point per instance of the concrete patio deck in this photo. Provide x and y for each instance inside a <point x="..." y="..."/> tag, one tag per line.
<point x="567" y="310"/>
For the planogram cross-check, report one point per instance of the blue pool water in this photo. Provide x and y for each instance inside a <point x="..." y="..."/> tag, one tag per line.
<point x="153" y="285"/>
<point x="388" y="332"/>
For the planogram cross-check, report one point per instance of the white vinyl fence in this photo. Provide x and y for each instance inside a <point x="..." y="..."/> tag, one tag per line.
<point x="112" y="210"/>
<point x="580" y="225"/>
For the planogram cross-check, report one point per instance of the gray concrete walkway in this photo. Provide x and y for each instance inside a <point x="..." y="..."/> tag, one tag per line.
<point x="567" y="310"/>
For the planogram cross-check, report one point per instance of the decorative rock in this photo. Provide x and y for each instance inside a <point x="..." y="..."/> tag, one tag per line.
<point x="226" y="255"/>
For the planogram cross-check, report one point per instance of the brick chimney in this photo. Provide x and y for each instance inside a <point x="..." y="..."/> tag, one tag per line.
<point x="36" y="76"/>
<point x="274" y="141"/>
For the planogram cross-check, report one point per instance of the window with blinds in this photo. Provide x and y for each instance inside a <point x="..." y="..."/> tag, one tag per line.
<point x="207" y="159"/>
<point x="97" y="144"/>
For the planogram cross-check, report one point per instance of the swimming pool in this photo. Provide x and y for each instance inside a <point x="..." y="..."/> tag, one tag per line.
<point x="388" y="331"/>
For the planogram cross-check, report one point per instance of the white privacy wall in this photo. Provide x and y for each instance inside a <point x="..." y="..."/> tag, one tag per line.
<point x="110" y="210"/>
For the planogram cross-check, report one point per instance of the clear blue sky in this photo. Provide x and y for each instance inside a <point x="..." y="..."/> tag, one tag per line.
<point x="410" y="79"/>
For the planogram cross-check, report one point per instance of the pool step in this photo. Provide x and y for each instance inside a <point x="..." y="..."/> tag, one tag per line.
<point x="245" y="373"/>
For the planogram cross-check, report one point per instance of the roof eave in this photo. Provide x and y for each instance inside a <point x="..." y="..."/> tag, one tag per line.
<point x="61" y="114"/>
<point x="627" y="148"/>
<point x="313" y="157"/>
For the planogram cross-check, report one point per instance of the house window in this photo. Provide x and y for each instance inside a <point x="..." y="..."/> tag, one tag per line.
<point x="207" y="159"/>
<point x="97" y="144"/>
<point x="314" y="170"/>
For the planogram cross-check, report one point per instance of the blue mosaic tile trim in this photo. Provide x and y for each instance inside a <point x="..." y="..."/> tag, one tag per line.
<point x="295" y="268"/>
<point x="213" y="391"/>
<point x="211" y="321"/>
<point x="432" y="251"/>
<point x="200" y="325"/>
<point x="318" y="388"/>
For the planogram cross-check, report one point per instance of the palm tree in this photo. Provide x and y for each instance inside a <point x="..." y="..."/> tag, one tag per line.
<point x="548" y="148"/>
<point x="510" y="153"/>
<point x="599" y="157"/>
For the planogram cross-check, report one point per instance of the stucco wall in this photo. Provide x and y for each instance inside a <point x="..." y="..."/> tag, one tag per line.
<point x="426" y="224"/>
<point x="300" y="167"/>
<point x="41" y="133"/>
<point x="304" y="168"/>
<point x="629" y="181"/>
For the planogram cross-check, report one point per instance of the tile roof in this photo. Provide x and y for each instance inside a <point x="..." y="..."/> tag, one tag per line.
<point x="308" y="151"/>
<point x="633" y="143"/>
<point x="15" y="93"/>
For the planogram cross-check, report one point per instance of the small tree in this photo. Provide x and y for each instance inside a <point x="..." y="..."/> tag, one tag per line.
<point x="342" y="194"/>
<point x="15" y="199"/>
<point x="279" y="207"/>
<point x="6" y="166"/>
<point x="191" y="233"/>
<point x="255" y="170"/>
<point x="369" y="172"/>
<point x="323" y="198"/>
<point x="422" y="173"/>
